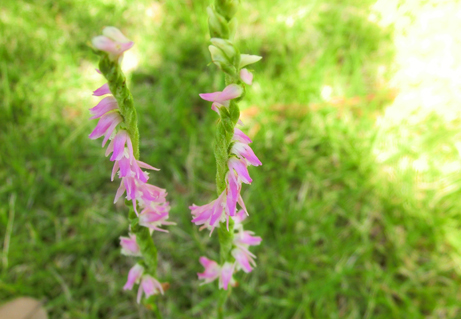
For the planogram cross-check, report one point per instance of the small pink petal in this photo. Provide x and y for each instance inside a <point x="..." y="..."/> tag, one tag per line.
<point x="119" y="145"/>
<point x="240" y="136"/>
<point x="134" y="276"/>
<point x="211" y="97"/>
<point x="103" y="90"/>
<point x="115" y="34"/>
<point x="107" y="104"/>
<point x="147" y="166"/>
<point x="105" y="122"/>
<point x="240" y="167"/>
<point x="226" y="275"/>
<point x="246" y="76"/>
<point x="231" y="91"/>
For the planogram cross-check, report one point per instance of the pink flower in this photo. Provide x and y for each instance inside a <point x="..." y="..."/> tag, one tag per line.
<point x="244" y="259"/>
<point x="103" y="90"/>
<point x="246" y="76"/>
<point x="117" y="146"/>
<point x="212" y="270"/>
<point x="240" y="168"/>
<point x="240" y="217"/>
<point x="210" y="214"/>
<point x="149" y="286"/>
<point x="107" y="104"/>
<point x="106" y="126"/>
<point x="231" y="91"/>
<point x="225" y="278"/>
<point x="242" y="240"/>
<point x="153" y="219"/>
<point x="242" y="150"/>
<point x="134" y="276"/>
<point x="246" y="238"/>
<point x="129" y="246"/>
<point x="240" y="136"/>
<point x="112" y="41"/>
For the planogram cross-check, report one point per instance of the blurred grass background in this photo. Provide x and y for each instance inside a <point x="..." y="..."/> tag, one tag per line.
<point x="354" y="113"/>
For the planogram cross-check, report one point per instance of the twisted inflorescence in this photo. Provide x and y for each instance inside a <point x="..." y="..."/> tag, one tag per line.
<point x="118" y="124"/>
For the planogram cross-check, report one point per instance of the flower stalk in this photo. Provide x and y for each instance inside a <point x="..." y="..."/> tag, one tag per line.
<point x="118" y="123"/>
<point x="233" y="156"/>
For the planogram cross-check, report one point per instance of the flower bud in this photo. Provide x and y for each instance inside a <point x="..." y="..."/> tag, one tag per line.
<point x="227" y="8"/>
<point x="221" y="60"/>
<point x="226" y="46"/>
<point x="217" y="24"/>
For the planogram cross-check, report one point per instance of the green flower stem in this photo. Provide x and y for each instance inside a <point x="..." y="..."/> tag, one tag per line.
<point x="117" y="85"/>
<point x="223" y="294"/>
<point x="145" y="242"/>
<point x="219" y="18"/>
<point x="219" y="21"/>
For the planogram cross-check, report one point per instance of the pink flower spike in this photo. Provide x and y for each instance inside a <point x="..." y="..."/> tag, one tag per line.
<point x="107" y="104"/>
<point x="130" y="246"/>
<point x="103" y="90"/>
<point x="240" y="136"/>
<point x="106" y="123"/>
<point x="245" y="151"/>
<point x="134" y="276"/>
<point x="212" y="270"/>
<point x="246" y="76"/>
<point x="240" y="167"/>
<point x="150" y="286"/>
<point x="226" y="275"/>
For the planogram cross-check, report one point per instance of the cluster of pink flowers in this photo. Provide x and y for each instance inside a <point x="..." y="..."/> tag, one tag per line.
<point x="244" y="259"/>
<point x="149" y="198"/>
<point x="225" y="206"/>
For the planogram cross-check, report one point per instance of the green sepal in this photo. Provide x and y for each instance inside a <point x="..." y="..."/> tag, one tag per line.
<point x="225" y="46"/>
<point x="232" y="25"/>
<point x="230" y="51"/>
<point x="217" y="24"/>
<point x="234" y="112"/>
<point x="222" y="60"/>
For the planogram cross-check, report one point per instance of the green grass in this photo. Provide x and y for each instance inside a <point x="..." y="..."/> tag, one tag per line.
<point x="348" y="230"/>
